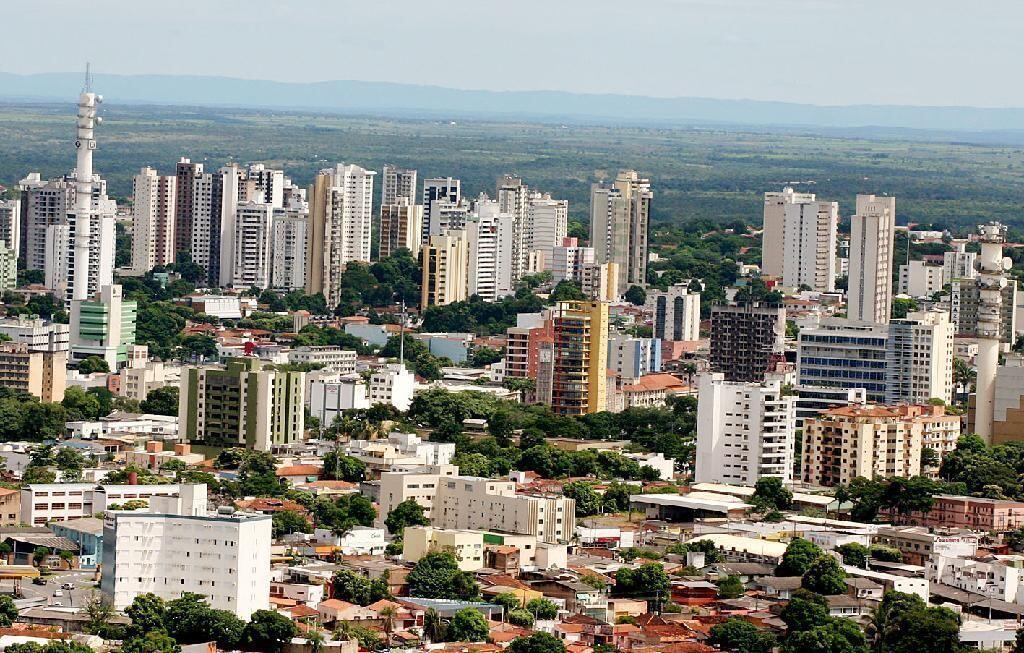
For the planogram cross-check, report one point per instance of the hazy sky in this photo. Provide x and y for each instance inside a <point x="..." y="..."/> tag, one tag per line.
<point x="819" y="51"/>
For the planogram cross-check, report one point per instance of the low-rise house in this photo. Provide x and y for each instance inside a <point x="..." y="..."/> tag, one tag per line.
<point x="864" y="588"/>
<point x="87" y="532"/>
<point x="579" y="597"/>
<point x="995" y="576"/>
<point x="310" y="594"/>
<point x="779" y="587"/>
<point x="917" y="544"/>
<point x="298" y="474"/>
<point x="335" y="611"/>
<point x="975" y="513"/>
<point x="849" y="607"/>
<point x="694" y="592"/>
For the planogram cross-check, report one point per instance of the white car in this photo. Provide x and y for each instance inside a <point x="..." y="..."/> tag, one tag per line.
<point x="67" y="586"/>
<point x="58" y="593"/>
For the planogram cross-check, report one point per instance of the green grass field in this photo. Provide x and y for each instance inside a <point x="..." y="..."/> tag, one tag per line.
<point x="718" y="175"/>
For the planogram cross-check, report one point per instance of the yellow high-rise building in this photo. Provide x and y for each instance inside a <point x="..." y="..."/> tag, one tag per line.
<point x="445" y="269"/>
<point x="579" y="380"/>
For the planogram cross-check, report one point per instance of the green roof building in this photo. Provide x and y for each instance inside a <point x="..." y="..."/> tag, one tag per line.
<point x="103" y="326"/>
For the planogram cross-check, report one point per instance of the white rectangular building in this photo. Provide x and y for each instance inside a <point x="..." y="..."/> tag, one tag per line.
<point x="153" y="220"/>
<point x="42" y="503"/>
<point x="288" y="252"/>
<point x="675" y="312"/>
<point x="179" y="547"/>
<point x="253" y="240"/>
<point x="873" y="227"/>
<point x="920" y="279"/>
<point x="745" y="431"/>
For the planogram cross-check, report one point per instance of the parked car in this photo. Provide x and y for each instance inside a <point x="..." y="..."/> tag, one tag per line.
<point x="57" y="592"/>
<point x="67" y="586"/>
<point x="39" y="580"/>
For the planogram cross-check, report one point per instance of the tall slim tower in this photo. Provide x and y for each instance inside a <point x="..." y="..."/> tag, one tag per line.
<point x="84" y="144"/>
<point x="872" y="233"/>
<point x="991" y="281"/>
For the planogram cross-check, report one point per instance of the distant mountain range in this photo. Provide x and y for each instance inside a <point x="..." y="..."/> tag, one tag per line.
<point x="432" y="101"/>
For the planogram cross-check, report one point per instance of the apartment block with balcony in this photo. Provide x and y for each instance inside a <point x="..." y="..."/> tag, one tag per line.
<point x="40" y="373"/>
<point x="746" y="340"/>
<point x="579" y="366"/>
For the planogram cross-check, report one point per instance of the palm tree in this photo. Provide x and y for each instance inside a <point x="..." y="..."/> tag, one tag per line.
<point x="387" y="615"/>
<point x="316" y="641"/>
<point x="433" y="626"/>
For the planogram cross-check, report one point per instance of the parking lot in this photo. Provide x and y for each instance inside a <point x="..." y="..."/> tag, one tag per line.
<point x="82" y="580"/>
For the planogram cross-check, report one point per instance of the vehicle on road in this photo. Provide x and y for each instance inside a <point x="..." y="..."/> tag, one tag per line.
<point x="67" y="586"/>
<point x="39" y="580"/>
<point x="57" y="592"/>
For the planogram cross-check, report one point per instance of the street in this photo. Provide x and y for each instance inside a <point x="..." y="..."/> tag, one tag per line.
<point x="82" y="580"/>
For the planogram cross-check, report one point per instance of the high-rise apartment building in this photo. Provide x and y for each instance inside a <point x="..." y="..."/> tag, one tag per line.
<point x="253" y="244"/>
<point x="600" y="281"/>
<point x="103" y="326"/>
<point x="392" y="384"/>
<point x="809" y="239"/>
<point x="491" y="250"/>
<point x="10" y="224"/>
<point x="513" y="198"/>
<point x="631" y="357"/>
<point x="262" y="185"/>
<point x="186" y="173"/>
<point x="153" y="217"/>
<point x="445" y="269"/>
<point x="547" y="224"/>
<point x="746" y="340"/>
<point x="288" y="254"/>
<point x="579" y="366"/>
<point x="37" y="333"/>
<point x="773" y="237"/>
<point x="872" y="233"/>
<point x="676" y="312"/>
<point x="178" y="546"/>
<point x="397" y="184"/>
<point x="401" y="226"/>
<point x="44" y="204"/>
<point x="568" y="259"/>
<point x="522" y="347"/>
<point x="8" y="267"/>
<point x="211" y="220"/>
<point x="745" y="431"/>
<point x="920" y="279"/>
<point x="340" y="222"/>
<point x="907" y="361"/>
<point x="874" y="441"/>
<point x="959" y="264"/>
<point x="42" y="374"/>
<point x="619" y="216"/>
<point x="445" y="191"/>
<point x="241" y="404"/>
<point x="965" y="308"/>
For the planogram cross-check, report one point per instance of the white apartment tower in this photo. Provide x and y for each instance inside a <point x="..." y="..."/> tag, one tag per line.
<point x="869" y="298"/>
<point x="445" y="269"/>
<point x="619" y="216"/>
<point x="959" y="264"/>
<point x="153" y="220"/>
<point x="44" y="204"/>
<point x="491" y="235"/>
<point x="772" y="240"/>
<point x="745" y="431"/>
<point x="568" y="260"/>
<point x="288" y="256"/>
<point x="547" y="224"/>
<point x="514" y="199"/>
<point x="340" y="223"/>
<point x="676" y="313"/>
<point x="438" y="191"/>
<point x="396" y="184"/>
<point x="810" y="233"/>
<point x="253" y="240"/>
<point x="10" y="225"/>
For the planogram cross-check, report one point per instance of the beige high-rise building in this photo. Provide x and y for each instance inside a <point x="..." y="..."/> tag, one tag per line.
<point x="874" y="441"/>
<point x="579" y="363"/>
<point x="445" y="269"/>
<point x="601" y="281"/>
<point x="39" y="373"/>
<point x="340" y="220"/>
<point x="401" y="224"/>
<point x="153" y="220"/>
<point x="619" y="216"/>
<point x="774" y="224"/>
<point x="872" y="234"/>
<point x="397" y="184"/>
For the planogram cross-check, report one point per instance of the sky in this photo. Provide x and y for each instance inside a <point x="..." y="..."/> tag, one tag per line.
<point x="911" y="52"/>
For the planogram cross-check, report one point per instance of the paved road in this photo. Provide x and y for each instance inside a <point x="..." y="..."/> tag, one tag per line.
<point x="82" y="580"/>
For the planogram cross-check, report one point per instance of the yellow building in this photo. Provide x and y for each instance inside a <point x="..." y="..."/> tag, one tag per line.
<point x="43" y="374"/>
<point x="579" y="375"/>
<point x="445" y="269"/>
<point x="468" y="546"/>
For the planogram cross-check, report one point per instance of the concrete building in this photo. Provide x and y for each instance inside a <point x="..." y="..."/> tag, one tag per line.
<point x="468" y="546"/>
<point x="8" y="267"/>
<point x="470" y="503"/>
<point x="44" y="204"/>
<point x="253" y="245"/>
<point x="1008" y="401"/>
<point x="959" y="264"/>
<point x="773" y="238"/>
<point x="332" y="358"/>
<point x="745" y="431"/>
<point x="676" y="312"/>
<point x="619" y="215"/>
<point x="400" y="451"/>
<point x="522" y="344"/>
<point x="241" y="404"/>
<point x="445" y="269"/>
<point x="10" y="224"/>
<point x="151" y="455"/>
<point x="288" y="251"/>
<point x="600" y="282"/>
<point x="907" y="361"/>
<point x="40" y="373"/>
<point x="401" y="226"/>
<point x="491" y="239"/>
<point x="874" y="441"/>
<point x="809" y="237"/>
<point x="632" y="358"/>
<point x="87" y="533"/>
<point x="547" y="223"/>
<point x="153" y="220"/>
<point x="328" y="400"/>
<point x="42" y="503"/>
<point x="392" y="384"/>
<point x="397" y="184"/>
<point x="812" y="400"/>
<point x="185" y="173"/>
<point x="225" y="556"/>
<point x="437" y="192"/>
<point x="920" y="279"/>
<point x="103" y="326"/>
<point x="209" y="223"/>
<point x="568" y="259"/>
<point x="746" y="340"/>
<point x="38" y="334"/>
<point x="869" y="298"/>
<point x="340" y="220"/>
<point x="966" y="309"/>
<point x="973" y="513"/>
<point x="579" y="366"/>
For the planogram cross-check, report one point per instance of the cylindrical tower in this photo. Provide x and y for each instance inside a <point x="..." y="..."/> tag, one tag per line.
<point x="85" y="143"/>
<point x="991" y="281"/>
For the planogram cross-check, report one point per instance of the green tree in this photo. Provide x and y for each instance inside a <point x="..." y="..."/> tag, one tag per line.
<point x="8" y="611"/>
<point x="567" y="291"/>
<point x="799" y="556"/>
<point x="155" y="641"/>
<point x="269" y="631"/>
<point x="542" y="609"/>
<point x="901" y="306"/>
<point x="467" y="625"/>
<point x="80" y="405"/>
<point x="407" y="513"/>
<point x="825" y="576"/>
<point x="521" y="618"/>
<point x="161" y="401"/>
<point x="198" y="347"/>
<point x="835" y="636"/>
<point x="537" y="643"/>
<point x="771" y="494"/>
<point x="855" y="555"/>
<point x="636" y="296"/>
<point x="616" y="497"/>
<point x="730" y="588"/>
<point x="339" y="467"/>
<point x="355" y="588"/>
<point x="147" y="614"/>
<point x="805" y="610"/>
<point x="647" y="580"/>
<point x="289" y="521"/>
<point x="508" y="601"/>
<point x="472" y="464"/>
<point x="742" y="636"/>
<point x="903" y="623"/>
<point x="342" y="512"/>
<point x="437" y="575"/>
<point x="93" y="364"/>
<point x="588" y="502"/>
